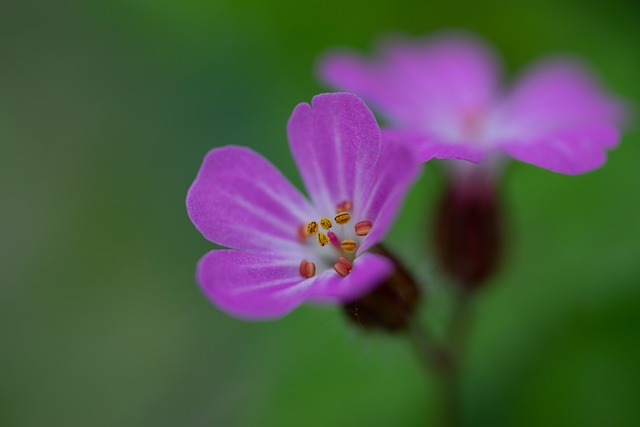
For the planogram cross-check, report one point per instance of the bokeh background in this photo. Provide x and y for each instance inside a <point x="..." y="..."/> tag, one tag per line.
<point x="106" y="111"/>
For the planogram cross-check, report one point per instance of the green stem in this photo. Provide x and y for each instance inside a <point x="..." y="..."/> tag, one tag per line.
<point x="442" y="360"/>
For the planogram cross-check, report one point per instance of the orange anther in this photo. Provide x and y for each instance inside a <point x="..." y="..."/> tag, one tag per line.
<point x="363" y="228"/>
<point x="307" y="269"/>
<point x="340" y="269"/>
<point x="345" y="206"/>
<point x="346" y="263"/>
<point x="348" y="245"/>
<point x="302" y="233"/>
<point x="342" y="218"/>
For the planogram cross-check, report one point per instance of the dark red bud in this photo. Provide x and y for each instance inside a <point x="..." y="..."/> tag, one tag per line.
<point x="391" y="305"/>
<point x="468" y="230"/>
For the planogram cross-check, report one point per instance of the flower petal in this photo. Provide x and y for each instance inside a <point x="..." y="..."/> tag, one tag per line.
<point x="335" y="143"/>
<point x="430" y="85"/>
<point x="252" y="285"/>
<point x="558" y="118"/>
<point x="240" y="200"/>
<point x="427" y="148"/>
<point x="369" y="270"/>
<point x="396" y="170"/>
<point x="559" y="94"/>
<point x="571" y="152"/>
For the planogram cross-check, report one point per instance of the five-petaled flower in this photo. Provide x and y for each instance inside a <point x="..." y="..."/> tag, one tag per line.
<point x="286" y="249"/>
<point x="443" y="95"/>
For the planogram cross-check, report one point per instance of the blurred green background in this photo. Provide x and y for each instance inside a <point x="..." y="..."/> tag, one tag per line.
<point x="106" y="111"/>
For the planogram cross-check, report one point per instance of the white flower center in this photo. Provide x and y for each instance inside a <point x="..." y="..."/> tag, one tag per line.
<point x="335" y="241"/>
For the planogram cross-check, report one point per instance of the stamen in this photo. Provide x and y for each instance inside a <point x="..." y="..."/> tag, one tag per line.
<point x="307" y="269"/>
<point x="363" y="228"/>
<point x="345" y="206"/>
<point x="344" y="261"/>
<point x="322" y="239"/>
<point x="348" y="245"/>
<point x="342" y="218"/>
<point x="302" y="233"/>
<point x="312" y="227"/>
<point x="325" y="223"/>
<point x="343" y="266"/>
<point x="334" y="239"/>
<point x="340" y="269"/>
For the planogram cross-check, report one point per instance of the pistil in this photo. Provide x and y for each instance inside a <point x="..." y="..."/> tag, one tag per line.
<point x="334" y="240"/>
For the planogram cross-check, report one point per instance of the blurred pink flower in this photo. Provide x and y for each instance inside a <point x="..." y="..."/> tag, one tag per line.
<point x="443" y="94"/>
<point x="285" y="248"/>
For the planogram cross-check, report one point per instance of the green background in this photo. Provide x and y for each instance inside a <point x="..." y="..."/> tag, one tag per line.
<point x="106" y="111"/>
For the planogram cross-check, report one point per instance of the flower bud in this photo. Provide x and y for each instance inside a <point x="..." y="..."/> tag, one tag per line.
<point x="391" y="305"/>
<point x="468" y="229"/>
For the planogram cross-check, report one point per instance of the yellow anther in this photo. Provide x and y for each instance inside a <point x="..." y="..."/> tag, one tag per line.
<point x="342" y="218"/>
<point x="323" y="239"/>
<point x="307" y="269"/>
<point x="363" y="228"/>
<point x="312" y="227"/>
<point x="344" y="207"/>
<point x="325" y="223"/>
<point x="348" y="245"/>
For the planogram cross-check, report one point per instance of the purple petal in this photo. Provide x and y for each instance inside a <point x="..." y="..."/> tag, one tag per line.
<point x="571" y="151"/>
<point x="242" y="201"/>
<point x="431" y="85"/>
<point x="335" y="143"/>
<point x="557" y="118"/>
<point x="252" y="285"/>
<point x="396" y="170"/>
<point x="369" y="270"/>
<point x="428" y="148"/>
<point x="559" y="94"/>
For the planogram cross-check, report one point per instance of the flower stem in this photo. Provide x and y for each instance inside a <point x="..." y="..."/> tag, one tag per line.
<point x="442" y="360"/>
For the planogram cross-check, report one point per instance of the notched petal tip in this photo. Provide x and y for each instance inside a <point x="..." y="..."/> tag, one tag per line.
<point x="335" y="143"/>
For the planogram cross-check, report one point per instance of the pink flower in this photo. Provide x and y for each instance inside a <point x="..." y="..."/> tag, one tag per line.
<point x="285" y="248"/>
<point x="443" y="94"/>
